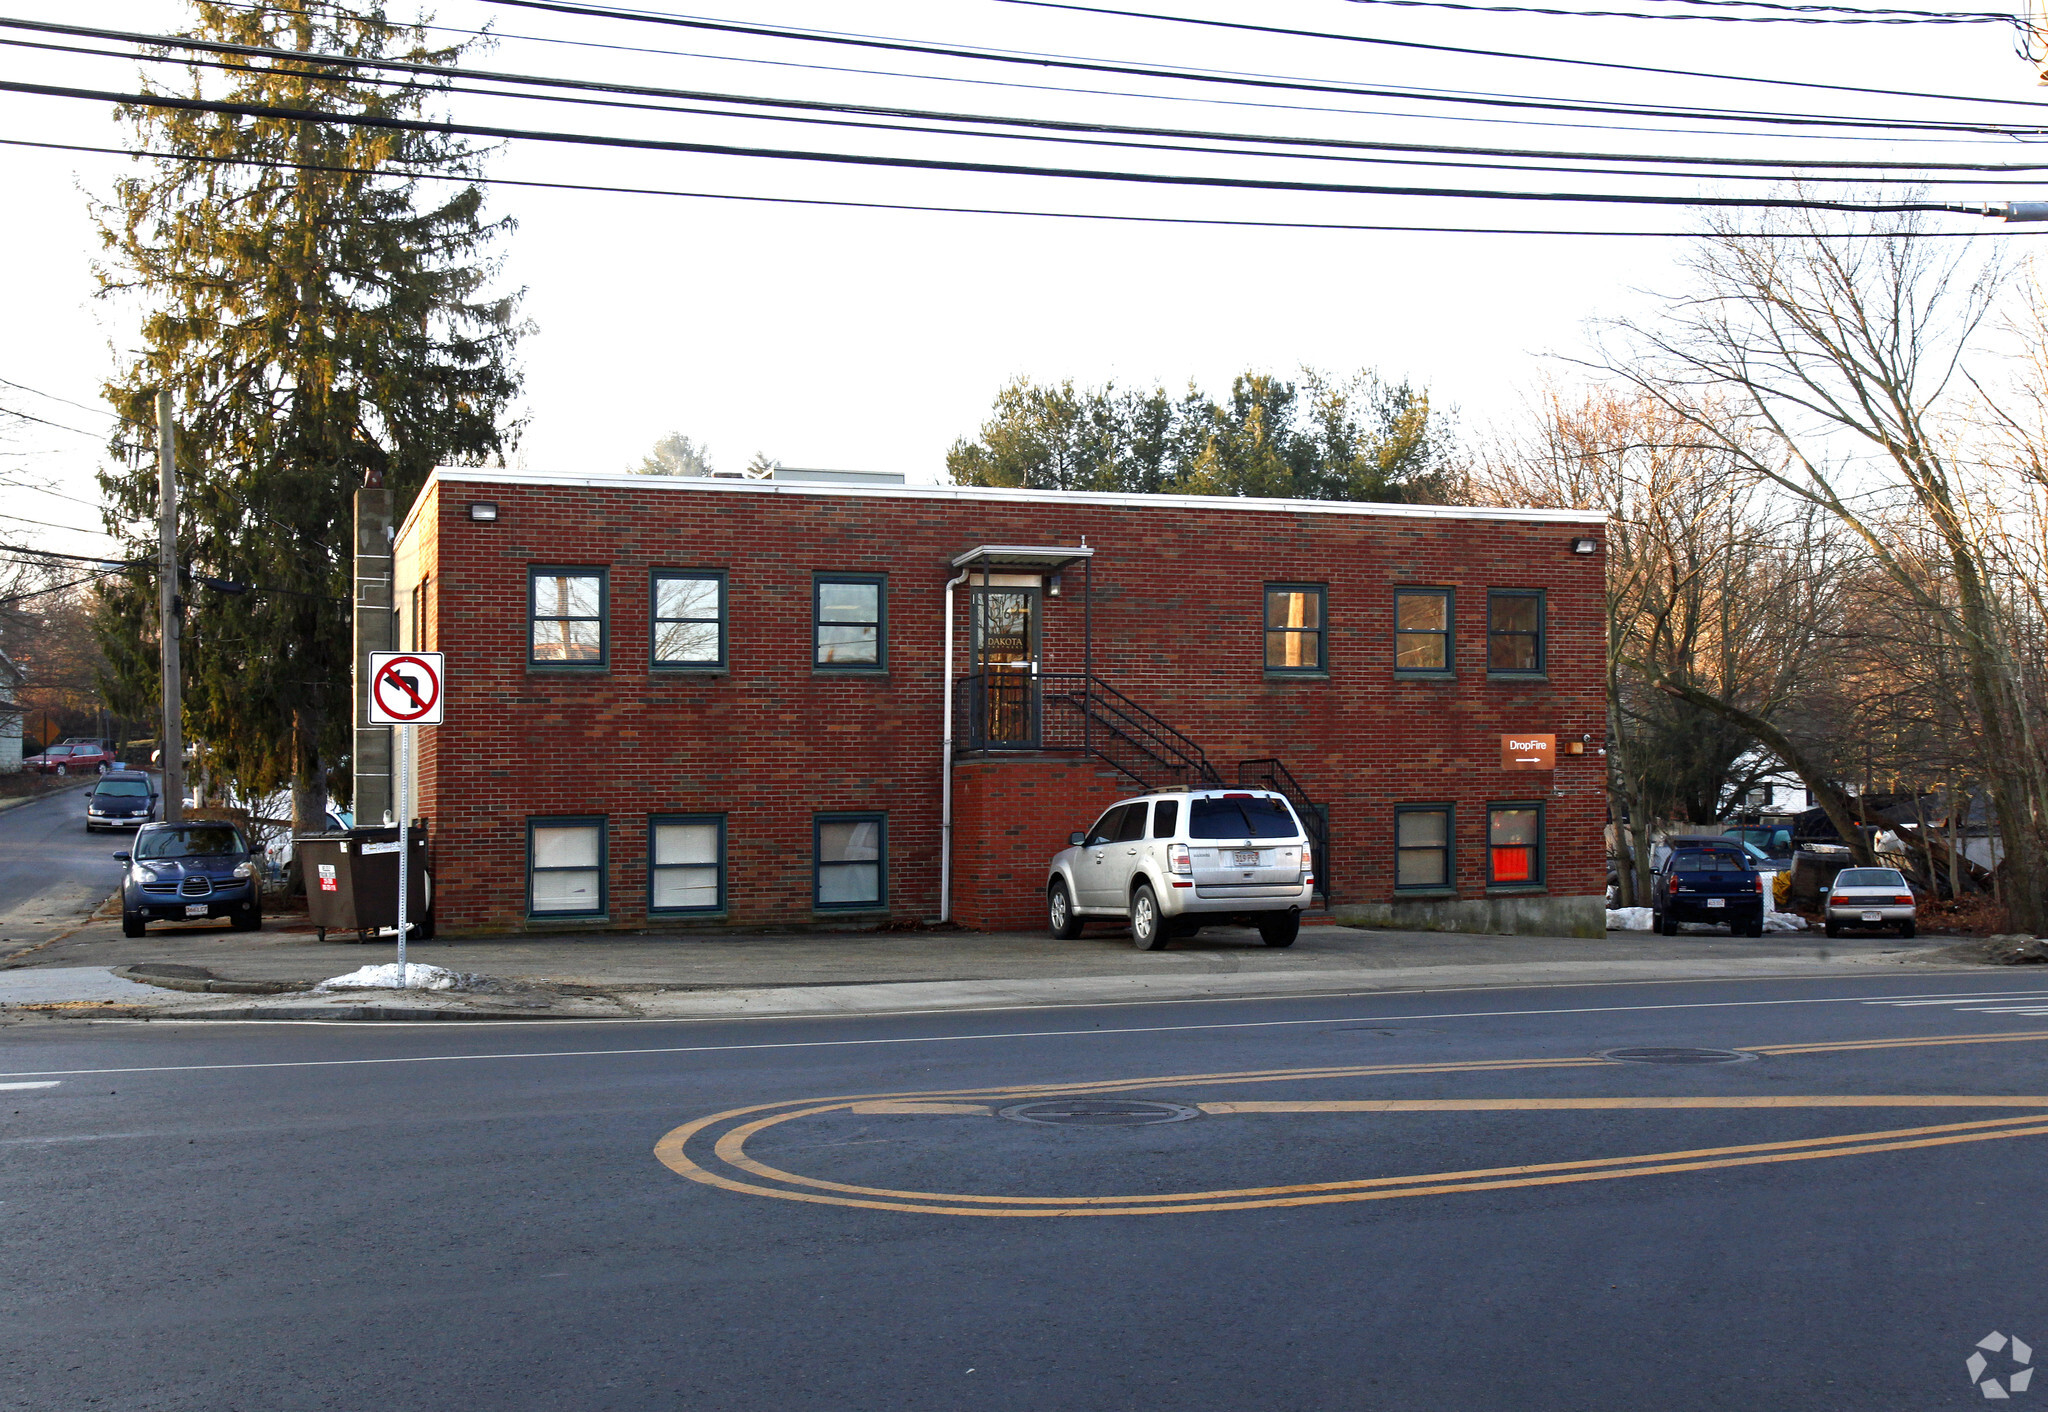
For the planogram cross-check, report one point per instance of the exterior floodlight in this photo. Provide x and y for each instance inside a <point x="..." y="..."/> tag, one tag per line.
<point x="1585" y="546"/>
<point x="483" y="511"/>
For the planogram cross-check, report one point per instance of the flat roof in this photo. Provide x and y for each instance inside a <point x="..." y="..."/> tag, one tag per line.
<point x="628" y="480"/>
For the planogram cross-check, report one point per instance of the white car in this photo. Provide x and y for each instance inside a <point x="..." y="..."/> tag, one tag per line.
<point x="1870" y="897"/>
<point x="1179" y="859"/>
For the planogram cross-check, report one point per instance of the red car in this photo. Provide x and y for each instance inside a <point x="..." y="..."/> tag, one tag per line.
<point x="73" y="757"/>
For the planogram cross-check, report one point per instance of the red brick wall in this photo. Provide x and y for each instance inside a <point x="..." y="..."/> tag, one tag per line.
<point x="1010" y="815"/>
<point x="1177" y="608"/>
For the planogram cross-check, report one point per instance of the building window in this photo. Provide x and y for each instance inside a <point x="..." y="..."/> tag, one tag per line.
<point x="1514" y="631"/>
<point x="686" y="863"/>
<point x="565" y="867"/>
<point x="1514" y="845"/>
<point x="1422" y="630"/>
<point x="853" y="861"/>
<point x="416" y="636"/>
<point x="849" y="619"/>
<point x="1294" y="628"/>
<point x="1422" y="845"/>
<point x="567" y="608"/>
<point x="689" y="619"/>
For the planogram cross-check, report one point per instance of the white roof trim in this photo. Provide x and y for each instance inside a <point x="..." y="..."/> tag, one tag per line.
<point x="627" y="480"/>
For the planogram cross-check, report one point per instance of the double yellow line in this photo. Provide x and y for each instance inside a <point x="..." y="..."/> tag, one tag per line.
<point x="728" y="1152"/>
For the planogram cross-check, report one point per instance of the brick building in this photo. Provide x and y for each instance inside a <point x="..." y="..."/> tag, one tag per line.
<point x="678" y="702"/>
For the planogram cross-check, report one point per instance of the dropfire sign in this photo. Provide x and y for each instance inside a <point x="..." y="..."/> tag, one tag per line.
<point x="405" y="689"/>
<point x="1528" y="752"/>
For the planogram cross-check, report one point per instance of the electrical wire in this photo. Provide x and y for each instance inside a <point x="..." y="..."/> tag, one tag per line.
<point x="1260" y="80"/>
<point x="392" y="124"/>
<point x="941" y="116"/>
<point x="1202" y="100"/>
<point x="1546" y="163"/>
<point x="211" y="159"/>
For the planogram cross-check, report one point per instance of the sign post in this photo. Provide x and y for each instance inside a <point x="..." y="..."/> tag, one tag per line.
<point x="405" y="691"/>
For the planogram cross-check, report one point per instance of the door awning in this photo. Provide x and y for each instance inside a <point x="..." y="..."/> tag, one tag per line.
<point x="1043" y="558"/>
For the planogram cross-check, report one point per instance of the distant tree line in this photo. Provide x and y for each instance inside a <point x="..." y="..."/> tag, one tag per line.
<point x="1315" y="438"/>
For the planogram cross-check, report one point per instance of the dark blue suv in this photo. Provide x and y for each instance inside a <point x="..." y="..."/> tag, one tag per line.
<point x="1708" y="884"/>
<point x="183" y="872"/>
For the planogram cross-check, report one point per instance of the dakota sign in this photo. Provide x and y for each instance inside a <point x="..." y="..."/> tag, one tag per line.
<point x="1528" y="752"/>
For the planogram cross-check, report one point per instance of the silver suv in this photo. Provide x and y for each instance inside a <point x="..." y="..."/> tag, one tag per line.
<point x="1181" y="859"/>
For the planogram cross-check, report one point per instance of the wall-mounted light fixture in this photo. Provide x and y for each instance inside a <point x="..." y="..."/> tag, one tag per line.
<point x="1052" y="585"/>
<point x="1585" y="544"/>
<point x="483" y="511"/>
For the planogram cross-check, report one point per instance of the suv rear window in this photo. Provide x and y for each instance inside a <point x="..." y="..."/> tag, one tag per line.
<point x="1715" y="861"/>
<point x="1241" y="818"/>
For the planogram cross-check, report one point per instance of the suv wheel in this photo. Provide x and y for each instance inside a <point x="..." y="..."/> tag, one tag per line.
<point x="131" y="924"/>
<point x="1147" y="931"/>
<point x="1280" y="928"/>
<point x="1665" y="924"/>
<point x="1059" y="912"/>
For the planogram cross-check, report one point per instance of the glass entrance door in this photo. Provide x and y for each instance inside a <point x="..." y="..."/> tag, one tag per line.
<point x="1006" y="648"/>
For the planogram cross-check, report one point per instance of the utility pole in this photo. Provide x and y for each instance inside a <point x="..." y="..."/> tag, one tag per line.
<point x="376" y="630"/>
<point x="171" y="608"/>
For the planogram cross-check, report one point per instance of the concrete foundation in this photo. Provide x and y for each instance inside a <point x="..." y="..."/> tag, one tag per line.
<point x="1499" y="916"/>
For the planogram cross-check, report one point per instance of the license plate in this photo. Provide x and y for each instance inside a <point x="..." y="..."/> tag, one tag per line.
<point x="1873" y="916"/>
<point x="1717" y="902"/>
<point x="195" y="909"/>
<point x="1246" y="857"/>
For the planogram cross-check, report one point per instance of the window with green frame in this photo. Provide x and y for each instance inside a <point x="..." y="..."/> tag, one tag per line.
<point x="1422" y="630"/>
<point x="1514" y="631"/>
<point x="686" y="863"/>
<point x="849" y="622"/>
<point x="851" y="868"/>
<point x="1422" y="846"/>
<point x="565" y="866"/>
<point x="1514" y="845"/>
<point x="1295" y="628"/>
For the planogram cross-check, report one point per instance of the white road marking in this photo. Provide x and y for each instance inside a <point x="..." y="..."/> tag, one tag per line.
<point x="1328" y="1021"/>
<point x="51" y="1084"/>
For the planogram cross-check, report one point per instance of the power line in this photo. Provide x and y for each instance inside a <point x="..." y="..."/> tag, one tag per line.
<point x="210" y="159"/>
<point x="988" y="55"/>
<point x="1203" y="100"/>
<point x="1280" y="146"/>
<point x="934" y="116"/>
<point x="392" y="124"/>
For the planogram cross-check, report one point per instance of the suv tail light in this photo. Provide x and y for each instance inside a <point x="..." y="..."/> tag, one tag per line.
<point x="1308" y="862"/>
<point x="1759" y="884"/>
<point x="1178" y="860"/>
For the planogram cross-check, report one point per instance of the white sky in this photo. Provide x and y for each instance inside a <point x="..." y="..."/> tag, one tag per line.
<point x="828" y="337"/>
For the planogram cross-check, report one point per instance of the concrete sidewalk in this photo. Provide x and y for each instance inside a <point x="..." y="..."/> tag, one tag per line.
<point x="701" y="975"/>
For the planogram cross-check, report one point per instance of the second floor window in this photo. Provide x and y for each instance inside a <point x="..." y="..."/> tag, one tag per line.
<point x="689" y="619"/>
<point x="567" y="608"/>
<point x="1514" y="632"/>
<point x="1422" y="630"/>
<point x="847" y="621"/>
<point x="1294" y="627"/>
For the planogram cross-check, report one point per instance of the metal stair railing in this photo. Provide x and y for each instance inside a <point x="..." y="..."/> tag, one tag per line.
<point x="1269" y="773"/>
<point x="1079" y="712"/>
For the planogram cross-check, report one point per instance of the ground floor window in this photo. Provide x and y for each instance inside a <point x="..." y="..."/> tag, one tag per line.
<point x="1514" y="844"/>
<point x="1422" y="845"/>
<point x="565" y="867"/>
<point x="686" y="863"/>
<point x="852" y="852"/>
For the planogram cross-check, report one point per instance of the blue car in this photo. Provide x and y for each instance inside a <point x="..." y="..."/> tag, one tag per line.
<point x="185" y="872"/>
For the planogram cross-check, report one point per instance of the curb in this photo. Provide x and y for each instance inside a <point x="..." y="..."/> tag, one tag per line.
<point x="352" y="1013"/>
<point x="204" y="982"/>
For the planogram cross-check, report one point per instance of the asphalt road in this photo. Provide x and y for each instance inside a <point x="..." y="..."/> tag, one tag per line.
<point x="574" y="1216"/>
<point x="52" y="872"/>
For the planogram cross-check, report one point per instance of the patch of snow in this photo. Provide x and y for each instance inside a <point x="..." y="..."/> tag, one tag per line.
<point x="1628" y="919"/>
<point x="1783" y="922"/>
<point x="408" y="977"/>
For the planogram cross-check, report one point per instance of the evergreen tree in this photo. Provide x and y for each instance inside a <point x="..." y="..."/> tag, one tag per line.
<point x="1360" y="438"/>
<point x="675" y="455"/>
<point x="321" y="318"/>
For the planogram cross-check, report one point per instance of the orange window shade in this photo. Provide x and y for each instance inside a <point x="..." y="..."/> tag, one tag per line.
<point x="1515" y="863"/>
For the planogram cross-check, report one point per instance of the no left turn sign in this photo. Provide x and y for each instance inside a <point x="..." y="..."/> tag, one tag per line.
<point x="405" y="688"/>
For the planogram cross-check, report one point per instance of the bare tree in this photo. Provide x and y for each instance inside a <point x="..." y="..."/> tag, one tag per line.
<point x="1842" y="364"/>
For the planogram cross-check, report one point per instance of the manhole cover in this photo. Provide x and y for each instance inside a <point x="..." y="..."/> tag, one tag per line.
<point x="1677" y="1054"/>
<point x="1097" y="1112"/>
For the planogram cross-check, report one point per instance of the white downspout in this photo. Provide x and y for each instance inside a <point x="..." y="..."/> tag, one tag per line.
<point x="946" y="767"/>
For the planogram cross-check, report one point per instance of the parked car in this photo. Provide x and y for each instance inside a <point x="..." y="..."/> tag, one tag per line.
<point x="1870" y="897"/>
<point x="73" y="757"/>
<point x="1707" y="884"/>
<point x="123" y="799"/>
<point x="1177" y="860"/>
<point x="182" y="872"/>
<point x="1773" y="840"/>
